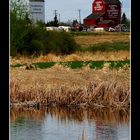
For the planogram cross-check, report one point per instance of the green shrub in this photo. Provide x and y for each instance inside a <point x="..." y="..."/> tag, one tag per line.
<point x="28" y="38"/>
<point x="61" y="43"/>
<point x="35" y="39"/>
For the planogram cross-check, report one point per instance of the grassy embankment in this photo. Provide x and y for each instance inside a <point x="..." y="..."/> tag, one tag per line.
<point x="93" y="48"/>
<point x="104" y="88"/>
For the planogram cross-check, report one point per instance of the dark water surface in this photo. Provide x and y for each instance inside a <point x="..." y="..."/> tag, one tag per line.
<point x="68" y="124"/>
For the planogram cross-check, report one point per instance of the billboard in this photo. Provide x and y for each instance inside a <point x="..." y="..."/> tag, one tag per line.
<point x="113" y="11"/>
<point x="37" y="10"/>
<point x="98" y="6"/>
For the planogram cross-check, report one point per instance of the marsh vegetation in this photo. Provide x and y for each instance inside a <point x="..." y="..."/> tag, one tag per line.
<point x="62" y="86"/>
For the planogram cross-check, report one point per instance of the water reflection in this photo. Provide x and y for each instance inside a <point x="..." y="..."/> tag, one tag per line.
<point x="76" y="114"/>
<point x="68" y="123"/>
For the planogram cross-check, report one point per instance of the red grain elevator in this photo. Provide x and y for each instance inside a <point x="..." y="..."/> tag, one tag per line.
<point x="105" y="13"/>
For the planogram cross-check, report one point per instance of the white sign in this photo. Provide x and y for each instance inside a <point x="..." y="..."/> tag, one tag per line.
<point x="113" y="11"/>
<point x="37" y="11"/>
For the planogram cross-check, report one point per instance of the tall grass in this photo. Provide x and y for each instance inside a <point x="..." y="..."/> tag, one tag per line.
<point x="97" y="95"/>
<point x="62" y="86"/>
<point x="77" y="56"/>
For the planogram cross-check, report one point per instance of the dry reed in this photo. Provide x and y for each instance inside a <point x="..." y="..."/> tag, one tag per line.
<point x="62" y="87"/>
<point x="78" y="56"/>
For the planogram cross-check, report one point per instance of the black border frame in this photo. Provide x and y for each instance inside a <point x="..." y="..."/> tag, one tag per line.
<point x="4" y="69"/>
<point x="135" y="70"/>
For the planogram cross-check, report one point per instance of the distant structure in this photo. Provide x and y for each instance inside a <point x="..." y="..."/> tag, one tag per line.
<point x="37" y="10"/>
<point x="105" y="13"/>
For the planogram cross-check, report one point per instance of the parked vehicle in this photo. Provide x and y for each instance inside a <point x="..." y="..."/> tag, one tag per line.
<point x="99" y="29"/>
<point x="121" y="28"/>
<point x="64" y="28"/>
<point x="111" y="29"/>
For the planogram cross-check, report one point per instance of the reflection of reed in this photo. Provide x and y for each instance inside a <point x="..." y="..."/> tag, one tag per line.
<point x="27" y="113"/>
<point x="65" y="114"/>
<point x="109" y="115"/>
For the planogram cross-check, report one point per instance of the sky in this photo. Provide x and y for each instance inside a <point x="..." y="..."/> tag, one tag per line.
<point x="68" y="9"/>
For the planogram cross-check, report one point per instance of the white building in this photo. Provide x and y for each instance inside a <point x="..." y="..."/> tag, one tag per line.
<point x="37" y="10"/>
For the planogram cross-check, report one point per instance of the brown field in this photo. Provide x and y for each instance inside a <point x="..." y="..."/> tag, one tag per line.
<point x="79" y="56"/>
<point x="95" y="39"/>
<point x="64" y="86"/>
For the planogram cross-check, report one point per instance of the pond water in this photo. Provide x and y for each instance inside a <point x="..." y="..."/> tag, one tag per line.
<point x="68" y="124"/>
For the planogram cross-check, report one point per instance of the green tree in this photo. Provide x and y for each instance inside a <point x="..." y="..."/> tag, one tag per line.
<point x="74" y="22"/>
<point x="55" y="21"/>
<point x="125" y="20"/>
<point x="19" y="24"/>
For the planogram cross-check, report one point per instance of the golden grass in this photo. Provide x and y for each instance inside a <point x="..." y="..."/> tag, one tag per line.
<point x="92" y="39"/>
<point x="64" y="86"/>
<point x="78" y="56"/>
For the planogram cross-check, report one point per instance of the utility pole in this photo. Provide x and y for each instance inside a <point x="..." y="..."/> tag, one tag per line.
<point x="121" y="11"/>
<point x="55" y="18"/>
<point x="79" y="10"/>
<point x="59" y="18"/>
<point x="55" y="13"/>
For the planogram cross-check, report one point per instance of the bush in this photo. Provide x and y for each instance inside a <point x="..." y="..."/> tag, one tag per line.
<point x="37" y="40"/>
<point x="60" y="43"/>
<point x="28" y="38"/>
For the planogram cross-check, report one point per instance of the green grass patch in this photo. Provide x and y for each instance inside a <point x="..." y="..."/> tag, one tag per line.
<point x="107" y="46"/>
<point x="73" y="65"/>
<point x="98" y="33"/>
<point x="80" y="64"/>
<point x="17" y="65"/>
<point x="43" y="65"/>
